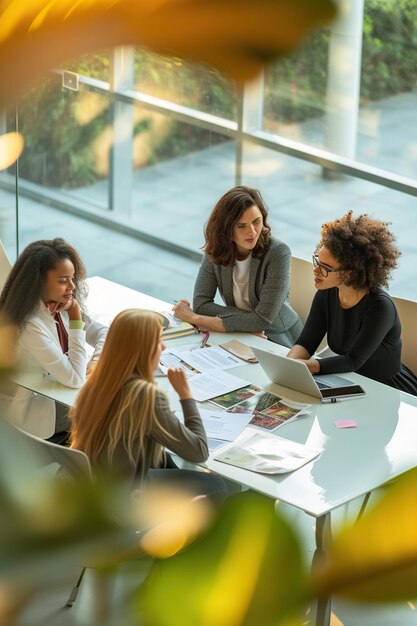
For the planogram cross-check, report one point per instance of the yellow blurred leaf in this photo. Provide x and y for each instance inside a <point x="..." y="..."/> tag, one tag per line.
<point x="11" y="146"/>
<point x="171" y="519"/>
<point x="236" y="36"/>
<point x="376" y="559"/>
<point x="246" y="571"/>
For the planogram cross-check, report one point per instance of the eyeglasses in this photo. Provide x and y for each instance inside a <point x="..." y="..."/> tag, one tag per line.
<point x="206" y="334"/>
<point x="324" y="269"/>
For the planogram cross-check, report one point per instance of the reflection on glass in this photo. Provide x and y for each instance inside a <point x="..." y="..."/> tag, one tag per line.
<point x="295" y="90"/>
<point x="92" y="65"/>
<point x="388" y="94"/>
<point x="196" y="86"/>
<point x="180" y="171"/>
<point x="67" y="139"/>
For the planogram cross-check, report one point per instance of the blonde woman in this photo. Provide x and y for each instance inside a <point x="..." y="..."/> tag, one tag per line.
<point x="122" y="421"/>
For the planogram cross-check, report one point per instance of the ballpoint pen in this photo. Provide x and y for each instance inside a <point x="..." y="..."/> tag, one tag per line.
<point x="333" y="400"/>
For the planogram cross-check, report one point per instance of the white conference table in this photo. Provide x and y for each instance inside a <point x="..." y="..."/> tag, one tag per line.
<point x="354" y="461"/>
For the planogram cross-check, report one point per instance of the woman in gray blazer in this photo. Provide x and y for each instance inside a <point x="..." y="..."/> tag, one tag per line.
<point x="249" y="268"/>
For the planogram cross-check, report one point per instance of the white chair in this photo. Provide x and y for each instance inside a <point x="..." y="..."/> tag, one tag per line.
<point x="407" y="310"/>
<point x="5" y="266"/>
<point x="302" y="288"/>
<point x="302" y="291"/>
<point x="50" y="459"/>
<point x="23" y="456"/>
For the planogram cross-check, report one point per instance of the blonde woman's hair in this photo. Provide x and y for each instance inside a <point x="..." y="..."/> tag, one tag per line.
<point x="117" y="403"/>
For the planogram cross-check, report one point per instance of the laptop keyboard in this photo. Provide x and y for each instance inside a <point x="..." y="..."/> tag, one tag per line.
<point x="322" y="385"/>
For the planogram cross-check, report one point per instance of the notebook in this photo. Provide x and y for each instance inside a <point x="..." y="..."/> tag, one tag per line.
<point x="296" y="375"/>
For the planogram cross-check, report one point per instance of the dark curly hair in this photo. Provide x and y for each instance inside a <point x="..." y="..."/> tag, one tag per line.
<point x="365" y="249"/>
<point x="218" y="231"/>
<point x="24" y="286"/>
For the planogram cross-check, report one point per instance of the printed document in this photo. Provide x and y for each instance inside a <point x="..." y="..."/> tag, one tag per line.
<point x="222" y="425"/>
<point x="265" y="453"/>
<point x="205" y="359"/>
<point x="214" y="383"/>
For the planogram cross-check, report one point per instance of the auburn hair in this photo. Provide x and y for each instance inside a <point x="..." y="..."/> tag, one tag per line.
<point x="218" y="231"/>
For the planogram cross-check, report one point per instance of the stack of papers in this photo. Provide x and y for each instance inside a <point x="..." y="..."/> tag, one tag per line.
<point x="205" y="359"/>
<point x="267" y="410"/>
<point x="212" y="383"/>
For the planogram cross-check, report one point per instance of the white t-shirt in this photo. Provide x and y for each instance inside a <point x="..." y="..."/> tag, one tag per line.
<point x="241" y="283"/>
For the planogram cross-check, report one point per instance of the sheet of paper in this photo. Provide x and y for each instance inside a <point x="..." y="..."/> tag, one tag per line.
<point x="206" y="359"/>
<point x="214" y="383"/>
<point x="265" y="453"/>
<point x="168" y="359"/>
<point x="222" y="425"/>
<point x="213" y="444"/>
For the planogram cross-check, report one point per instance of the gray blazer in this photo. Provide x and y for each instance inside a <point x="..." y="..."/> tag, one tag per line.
<point x="269" y="281"/>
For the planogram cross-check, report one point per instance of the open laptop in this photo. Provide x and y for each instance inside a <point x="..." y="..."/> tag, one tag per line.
<point x="296" y="375"/>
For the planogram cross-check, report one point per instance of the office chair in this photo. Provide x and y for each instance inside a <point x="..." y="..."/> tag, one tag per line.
<point x="69" y="465"/>
<point x="66" y="464"/>
<point x="302" y="291"/>
<point x="407" y="311"/>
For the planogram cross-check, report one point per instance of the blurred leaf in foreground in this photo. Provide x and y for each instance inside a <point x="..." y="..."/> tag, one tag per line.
<point x="247" y="570"/>
<point x="376" y="559"/>
<point x="11" y="146"/>
<point x="236" y="36"/>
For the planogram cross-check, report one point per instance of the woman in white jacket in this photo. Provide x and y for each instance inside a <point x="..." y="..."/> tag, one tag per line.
<point x="44" y="297"/>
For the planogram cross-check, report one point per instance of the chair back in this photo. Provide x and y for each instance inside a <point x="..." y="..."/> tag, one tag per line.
<point x="302" y="291"/>
<point x="75" y="463"/>
<point x="407" y="311"/>
<point x="5" y="266"/>
<point x="302" y="288"/>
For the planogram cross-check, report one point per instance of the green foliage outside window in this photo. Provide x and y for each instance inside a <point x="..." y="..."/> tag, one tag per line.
<point x="57" y="148"/>
<point x="62" y="152"/>
<point x="389" y="56"/>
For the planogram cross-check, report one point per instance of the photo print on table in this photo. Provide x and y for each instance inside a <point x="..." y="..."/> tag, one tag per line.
<point x="229" y="400"/>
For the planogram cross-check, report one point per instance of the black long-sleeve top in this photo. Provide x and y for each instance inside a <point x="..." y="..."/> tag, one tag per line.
<point x="365" y="337"/>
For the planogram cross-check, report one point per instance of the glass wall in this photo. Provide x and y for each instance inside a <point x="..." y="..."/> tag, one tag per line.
<point x="295" y="93"/>
<point x="387" y="134"/>
<point x="132" y="162"/>
<point x="185" y="83"/>
<point x="67" y="142"/>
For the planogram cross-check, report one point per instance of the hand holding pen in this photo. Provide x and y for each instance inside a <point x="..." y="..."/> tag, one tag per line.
<point x="183" y="311"/>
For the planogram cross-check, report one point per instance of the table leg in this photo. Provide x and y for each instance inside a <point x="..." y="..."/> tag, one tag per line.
<point x="322" y="609"/>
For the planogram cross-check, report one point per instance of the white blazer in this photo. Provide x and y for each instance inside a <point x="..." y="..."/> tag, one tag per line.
<point x="38" y="345"/>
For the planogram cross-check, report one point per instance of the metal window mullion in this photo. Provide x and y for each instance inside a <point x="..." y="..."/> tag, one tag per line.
<point x="122" y="121"/>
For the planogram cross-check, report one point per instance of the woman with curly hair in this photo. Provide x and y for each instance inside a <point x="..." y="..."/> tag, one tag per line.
<point x="44" y="298"/>
<point x="353" y="261"/>
<point x="249" y="268"/>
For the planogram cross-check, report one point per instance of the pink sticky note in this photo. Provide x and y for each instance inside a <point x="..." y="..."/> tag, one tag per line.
<point x="345" y="424"/>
